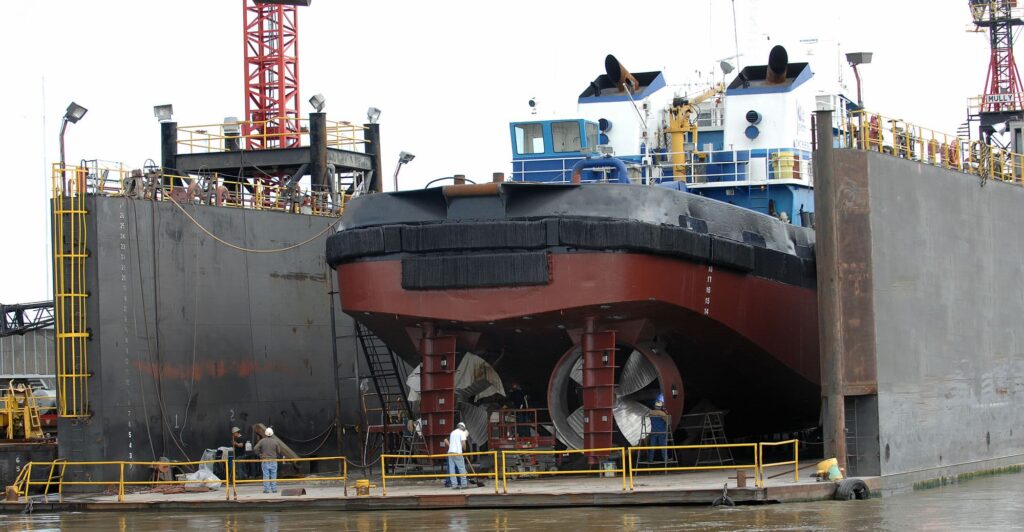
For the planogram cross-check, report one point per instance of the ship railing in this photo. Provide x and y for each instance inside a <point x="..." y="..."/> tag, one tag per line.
<point x="114" y="180"/>
<point x="227" y="191"/>
<point x="737" y="167"/>
<point x="58" y="470"/>
<point x="432" y="464"/>
<point x="341" y="477"/>
<point x="794" y="462"/>
<point x="608" y="467"/>
<point x="865" y="130"/>
<point x="754" y="466"/>
<point x="266" y="134"/>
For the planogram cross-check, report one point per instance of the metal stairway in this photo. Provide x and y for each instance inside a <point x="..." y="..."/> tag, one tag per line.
<point x="386" y="371"/>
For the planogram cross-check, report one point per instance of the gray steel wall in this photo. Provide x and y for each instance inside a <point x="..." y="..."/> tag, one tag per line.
<point x="27" y="354"/>
<point x="191" y="337"/>
<point x="948" y="261"/>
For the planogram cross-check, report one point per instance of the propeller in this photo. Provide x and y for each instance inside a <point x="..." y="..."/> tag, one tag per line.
<point x="475" y="380"/>
<point x="642" y="378"/>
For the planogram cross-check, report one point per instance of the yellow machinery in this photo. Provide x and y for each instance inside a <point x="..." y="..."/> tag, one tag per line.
<point x="682" y="129"/>
<point x="19" y="415"/>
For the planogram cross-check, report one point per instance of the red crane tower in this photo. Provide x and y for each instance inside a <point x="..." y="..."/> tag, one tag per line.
<point x="1003" y="98"/>
<point x="271" y="73"/>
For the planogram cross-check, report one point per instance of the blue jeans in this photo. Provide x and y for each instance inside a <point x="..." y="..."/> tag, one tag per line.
<point x="269" y="476"/>
<point x="656" y="440"/>
<point x="457" y="466"/>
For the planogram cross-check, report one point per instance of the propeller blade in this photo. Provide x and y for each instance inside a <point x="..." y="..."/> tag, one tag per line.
<point x="631" y="418"/>
<point x="469" y="392"/>
<point x="577" y="372"/>
<point x="574" y="440"/>
<point x="636" y="374"/>
<point x="475" y="417"/>
<point x="413" y="380"/>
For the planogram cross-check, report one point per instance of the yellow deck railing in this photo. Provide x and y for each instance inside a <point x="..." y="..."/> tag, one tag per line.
<point x="754" y="448"/>
<point x="207" y="138"/>
<point x="27" y="482"/>
<point x="794" y="462"/>
<point x="384" y="476"/>
<point x="622" y="470"/>
<point x="342" y="469"/>
<point x="865" y="130"/>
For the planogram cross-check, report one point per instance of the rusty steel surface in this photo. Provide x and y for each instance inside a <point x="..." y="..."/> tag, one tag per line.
<point x="754" y="308"/>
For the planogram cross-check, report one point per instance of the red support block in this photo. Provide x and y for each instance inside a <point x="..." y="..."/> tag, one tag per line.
<point x="437" y="389"/>
<point x="598" y="390"/>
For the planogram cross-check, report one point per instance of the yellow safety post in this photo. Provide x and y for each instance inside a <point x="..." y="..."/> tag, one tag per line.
<point x="629" y="459"/>
<point x="120" y="485"/>
<point x="227" y="481"/>
<point x="383" y="475"/>
<point x="622" y="456"/>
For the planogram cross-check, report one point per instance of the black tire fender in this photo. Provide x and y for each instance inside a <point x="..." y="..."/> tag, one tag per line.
<point x="849" y="489"/>
<point x="723" y="500"/>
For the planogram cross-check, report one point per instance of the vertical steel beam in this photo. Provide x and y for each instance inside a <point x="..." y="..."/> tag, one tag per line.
<point x="829" y="292"/>
<point x="437" y="388"/>
<point x="598" y="388"/>
<point x="318" y="152"/>
<point x="372" y="137"/>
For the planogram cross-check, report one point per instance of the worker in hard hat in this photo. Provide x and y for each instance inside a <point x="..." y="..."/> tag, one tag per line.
<point x="659" y="430"/>
<point x="457" y="442"/>
<point x="268" y="450"/>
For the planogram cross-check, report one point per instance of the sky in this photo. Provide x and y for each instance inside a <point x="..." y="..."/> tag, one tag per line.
<point x="448" y="76"/>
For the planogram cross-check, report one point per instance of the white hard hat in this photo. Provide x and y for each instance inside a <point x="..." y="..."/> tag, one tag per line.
<point x="269" y="432"/>
<point x="462" y="425"/>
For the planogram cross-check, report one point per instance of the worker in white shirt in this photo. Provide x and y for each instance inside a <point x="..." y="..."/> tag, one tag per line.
<point x="457" y="442"/>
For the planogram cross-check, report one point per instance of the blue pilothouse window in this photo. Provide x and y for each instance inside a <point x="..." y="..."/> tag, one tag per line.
<point x="591" y="135"/>
<point x="566" y="136"/>
<point x="529" y="139"/>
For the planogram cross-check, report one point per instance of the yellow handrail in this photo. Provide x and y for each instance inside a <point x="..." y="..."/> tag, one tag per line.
<point x="343" y="477"/>
<point x="120" y="482"/>
<point x="384" y="476"/>
<point x="794" y="461"/>
<point x="756" y="466"/>
<point x="623" y="469"/>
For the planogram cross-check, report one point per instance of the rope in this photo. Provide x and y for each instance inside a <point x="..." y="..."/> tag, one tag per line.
<point x="249" y="250"/>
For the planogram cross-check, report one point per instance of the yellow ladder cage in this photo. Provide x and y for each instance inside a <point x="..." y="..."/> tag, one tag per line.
<point x="71" y="334"/>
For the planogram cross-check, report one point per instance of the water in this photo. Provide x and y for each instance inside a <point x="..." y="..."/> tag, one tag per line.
<point x="990" y="504"/>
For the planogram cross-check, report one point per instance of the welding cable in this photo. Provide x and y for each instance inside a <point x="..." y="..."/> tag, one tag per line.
<point x="249" y="250"/>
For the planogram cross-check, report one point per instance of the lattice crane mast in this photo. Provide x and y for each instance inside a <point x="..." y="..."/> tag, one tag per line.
<point x="271" y="73"/>
<point x="1003" y="98"/>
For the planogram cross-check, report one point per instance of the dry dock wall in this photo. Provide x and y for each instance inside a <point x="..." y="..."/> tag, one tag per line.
<point x="191" y="337"/>
<point x="931" y="262"/>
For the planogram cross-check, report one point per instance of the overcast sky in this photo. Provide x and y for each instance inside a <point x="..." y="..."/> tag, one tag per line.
<point x="449" y="76"/>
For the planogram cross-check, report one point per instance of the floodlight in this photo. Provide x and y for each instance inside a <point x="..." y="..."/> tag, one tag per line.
<point x="232" y="128"/>
<point x="75" y="113"/>
<point x="403" y="158"/>
<point x="859" y="58"/>
<point x="163" y="113"/>
<point x="318" y="101"/>
<point x="726" y="67"/>
<point x="373" y="114"/>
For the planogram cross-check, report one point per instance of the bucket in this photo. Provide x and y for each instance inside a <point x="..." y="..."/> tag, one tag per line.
<point x="608" y="468"/>
<point x="362" y="487"/>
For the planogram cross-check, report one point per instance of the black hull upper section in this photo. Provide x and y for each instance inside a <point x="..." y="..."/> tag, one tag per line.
<point x="449" y="240"/>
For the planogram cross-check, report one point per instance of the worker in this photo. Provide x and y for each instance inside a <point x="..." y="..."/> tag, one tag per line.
<point x="237" y="451"/>
<point x="520" y="401"/>
<point x="268" y="450"/>
<point x="457" y="441"/>
<point x="659" y="430"/>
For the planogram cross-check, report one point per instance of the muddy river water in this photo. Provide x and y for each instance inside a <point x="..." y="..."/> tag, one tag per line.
<point x="989" y="504"/>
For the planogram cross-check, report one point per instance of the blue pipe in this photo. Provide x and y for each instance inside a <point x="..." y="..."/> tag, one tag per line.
<point x="619" y="174"/>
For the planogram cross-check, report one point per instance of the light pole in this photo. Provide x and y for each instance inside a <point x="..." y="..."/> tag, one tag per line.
<point x="74" y="113"/>
<point x="403" y="158"/>
<point x="858" y="58"/>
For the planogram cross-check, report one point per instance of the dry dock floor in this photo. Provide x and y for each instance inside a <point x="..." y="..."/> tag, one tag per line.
<point x="698" y="488"/>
